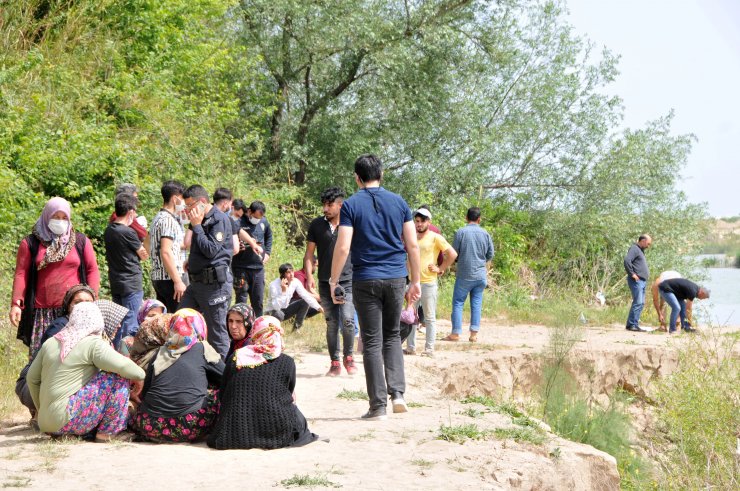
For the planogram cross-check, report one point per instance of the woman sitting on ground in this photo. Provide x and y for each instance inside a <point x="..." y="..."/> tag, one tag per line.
<point x="257" y="401"/>
<point x="176" y="403"/>
<point x="151" y="336"/>
<point x="76" y="294"/>
<point x="78" y="382"/>
<point x="150" y="309"/>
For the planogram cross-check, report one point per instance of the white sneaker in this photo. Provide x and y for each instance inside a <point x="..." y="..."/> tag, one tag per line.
<point x="399" y="405"/>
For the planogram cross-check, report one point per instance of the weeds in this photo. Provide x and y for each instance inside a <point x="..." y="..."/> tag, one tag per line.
<point x="17" y="482"/>
<point x="519" y="434"/>
<point x="301" y="480"/>
<point x="353" y="395"/>
<point x="472" y="412"/>
<point x="363" y="437"/>
<point x="461" y="433"/>
<point x="415" y="404"/>
<point x="424" y="464"/>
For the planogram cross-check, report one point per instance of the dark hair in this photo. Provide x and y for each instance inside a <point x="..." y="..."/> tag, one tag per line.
<point x="170" y="189"/>
<point x="284" y="268"/>
<point x="330" y="195"/>
<point x="221" y="194"/>
<point x="473" y="214"/>
<point x="257" y="206"/>
<point x="126" y="188"/>
<point x="72" y="293"/>
<point x="424" y="218"/>
<point x="368" y="168"/>
<point x="125" y="203"/>
<point x="196" y="191"/>
<point x="238" y="204"/>
<point x="642" y="237"/>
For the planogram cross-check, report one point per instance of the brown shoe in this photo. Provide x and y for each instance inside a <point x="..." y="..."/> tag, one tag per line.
<point x="409" y="351"/>
<point x="452" y="337"/>
<point x="473" y="336"/>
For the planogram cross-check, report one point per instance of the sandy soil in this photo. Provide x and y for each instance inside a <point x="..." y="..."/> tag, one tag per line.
<point x="402" y="452"/>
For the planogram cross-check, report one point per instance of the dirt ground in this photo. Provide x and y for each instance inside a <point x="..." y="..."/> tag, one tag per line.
<point x="402" y="452"/>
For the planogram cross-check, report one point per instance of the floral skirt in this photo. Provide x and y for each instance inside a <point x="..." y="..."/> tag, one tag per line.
<point x="100" y="405"/>
<point x="188" y="428"/>
<point x="42" y="319"/>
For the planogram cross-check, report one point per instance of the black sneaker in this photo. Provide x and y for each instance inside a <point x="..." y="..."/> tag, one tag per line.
<point x="377" y="414"/>
<point x="689" y="329"/>
<point x="635" y="329"/>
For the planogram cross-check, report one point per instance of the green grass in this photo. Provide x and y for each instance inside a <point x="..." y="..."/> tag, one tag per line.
<point x="461" y="433"/>
<point x="415" y="404"/>
<point x="422" y="463"/>
<point x="17" y="482"/>
<point x="305" y="480"/>
<point x="353" y="395"/>
<point x="520" y="434"/>
<point x="472" y="412"/>
<point x="14" y="355"/>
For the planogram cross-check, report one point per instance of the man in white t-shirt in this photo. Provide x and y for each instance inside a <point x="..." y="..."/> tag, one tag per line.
<point x="658" y="301"/>
<point x="280" y="303"/>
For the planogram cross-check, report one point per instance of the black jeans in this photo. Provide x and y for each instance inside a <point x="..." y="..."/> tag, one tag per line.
<point x="296" y="308"/>
<point x="165" y="290"/>
<point x="339" y="318"/>
<point x="378" y="304"/>
<point x="253" y="285"/>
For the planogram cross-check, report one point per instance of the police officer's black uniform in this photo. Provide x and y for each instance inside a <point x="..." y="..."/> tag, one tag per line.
<point x="209" y="271"/>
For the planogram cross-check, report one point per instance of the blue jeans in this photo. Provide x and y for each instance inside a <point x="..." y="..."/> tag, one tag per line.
<point x="459" y="294"/>
<point x="129" y="325"/>
<point x="637" y="288"/>
<point x="678" y="307"/>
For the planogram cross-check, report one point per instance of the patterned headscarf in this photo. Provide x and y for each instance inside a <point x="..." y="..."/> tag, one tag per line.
<point x="187" y="328"/>
<point x="265" y="343"/>
<point x="71" y="295"/>
<point x="57" y="246"/>
<point x="149" y="304"/>
<point x="86" y="320"/>
<point x="113" y="315"/>
<point x="247" y="314"/>
<point x="152" y="334"/>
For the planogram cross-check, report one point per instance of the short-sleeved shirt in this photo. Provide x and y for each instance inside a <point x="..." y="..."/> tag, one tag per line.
<point x="321" y="234"/>
<point x="124" y="267"/>
<point x="212" y="246"/>
<point x="682" y="288"/>
<point x="430" y="247"/>
<point x="262" y="234"/>
<point x="165" y="225"/>
<point x="376" y="216"/>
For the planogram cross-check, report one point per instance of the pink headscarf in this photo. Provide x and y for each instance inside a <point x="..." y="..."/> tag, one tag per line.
<point x="42" y="224"/>
<point x="265" y="343"/>
<point x="85" y="320"/>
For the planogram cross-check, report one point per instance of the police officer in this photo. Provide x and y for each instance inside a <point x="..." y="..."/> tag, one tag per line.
<point x="209" y="291"/>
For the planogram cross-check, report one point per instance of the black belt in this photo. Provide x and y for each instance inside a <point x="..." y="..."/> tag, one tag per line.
<point x="208" y="275"/>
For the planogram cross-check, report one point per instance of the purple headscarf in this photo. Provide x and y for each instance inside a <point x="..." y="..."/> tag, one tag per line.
<point x="148" y="305"/>
<point x="42" y="224"/>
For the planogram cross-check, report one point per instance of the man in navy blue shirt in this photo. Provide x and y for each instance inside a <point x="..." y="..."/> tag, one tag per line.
<point x="377" y="226"/>
<point x="209" y="291"/>
<point x="248" y="265"/>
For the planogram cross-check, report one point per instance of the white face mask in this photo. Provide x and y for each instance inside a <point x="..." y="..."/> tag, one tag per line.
<point x="180" y="206"/>
<point x="58" y="227"/>
<point x="254" y="220"/>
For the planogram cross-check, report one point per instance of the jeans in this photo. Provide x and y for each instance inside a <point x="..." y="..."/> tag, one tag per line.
<point x="378" y="304"/>
<point x="339" y="317"/>
<point x="165" y="290"/>
<point x="678" y="307"/>
<point x="129" y="325"/>
<point x="459" y="294"/>
<point x="212" y="300"/>
<point x="637" y="288"/>
<point x="296" y="308"/>
<point x="253" y="285"/>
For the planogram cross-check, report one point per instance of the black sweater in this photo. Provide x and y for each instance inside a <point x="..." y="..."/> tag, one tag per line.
<point x="257" y="409"/>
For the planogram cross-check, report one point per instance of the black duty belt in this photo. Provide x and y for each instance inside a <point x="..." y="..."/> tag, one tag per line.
<point x="209" y="275"/>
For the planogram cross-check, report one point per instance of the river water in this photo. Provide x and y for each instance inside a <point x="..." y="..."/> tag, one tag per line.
<point x="723" y="307"/>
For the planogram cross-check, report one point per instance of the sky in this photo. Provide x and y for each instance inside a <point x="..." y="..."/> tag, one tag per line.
<point x="682" y="55"/>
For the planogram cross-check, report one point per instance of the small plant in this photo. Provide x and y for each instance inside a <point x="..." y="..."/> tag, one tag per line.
<point x="520" y="434"/>
<point x="461" y="433"/>
<point x="472" y="412"/>
<point x="300" y="480"/>
<point x="363" y="437"/>
<point x="353" y="395"/>
<point x="556" y="453"/>
<point x="415" y="404"/>
<point x="424" y="464"/>
<point x="17" y="482"/>
<point x="483" y="400"/>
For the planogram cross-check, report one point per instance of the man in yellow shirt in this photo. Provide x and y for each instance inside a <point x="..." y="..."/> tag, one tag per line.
<point x="431" y="244"/>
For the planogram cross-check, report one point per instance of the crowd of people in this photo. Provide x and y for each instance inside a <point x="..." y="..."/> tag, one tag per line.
<point x="191" y="364"/>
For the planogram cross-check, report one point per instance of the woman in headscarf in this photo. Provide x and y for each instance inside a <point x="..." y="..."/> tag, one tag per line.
<point x="76" y="294"/>
<point x="152" y="334"/>
<point x="176" y="404"/>
<point x="150" y="309"/>
<point x="257" y="400"/>
<point x="78" y="382"/>
<point x="49" y="261"/>
<point x="239" y="320"/>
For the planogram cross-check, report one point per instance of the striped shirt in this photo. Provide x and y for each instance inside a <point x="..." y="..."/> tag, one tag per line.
<point x="165" y="225"/>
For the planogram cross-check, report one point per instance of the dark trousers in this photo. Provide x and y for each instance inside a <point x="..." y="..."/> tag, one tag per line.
<point x="165" y="290"/>
<point x="296" y="308"/>
<point x="378" y="304"/>
<point x="250" y="282"/>
<point x="212" y="300"/>
<point x="339" y="318"/>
